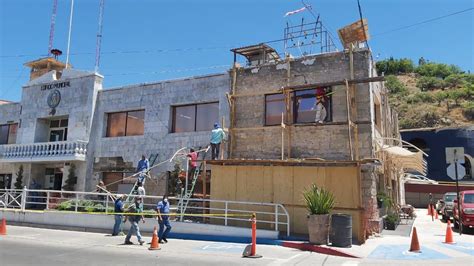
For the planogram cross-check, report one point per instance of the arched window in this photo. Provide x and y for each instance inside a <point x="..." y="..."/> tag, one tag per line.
<point x="420" y="144"/>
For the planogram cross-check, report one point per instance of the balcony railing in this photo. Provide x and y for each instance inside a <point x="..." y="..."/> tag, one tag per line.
<point x="44" y="151"/>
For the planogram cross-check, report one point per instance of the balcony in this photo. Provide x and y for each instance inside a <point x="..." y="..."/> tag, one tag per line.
<point x="44" y="152"/>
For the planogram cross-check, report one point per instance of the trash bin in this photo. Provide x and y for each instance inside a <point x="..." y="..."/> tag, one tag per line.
<point x="341" y="230"/>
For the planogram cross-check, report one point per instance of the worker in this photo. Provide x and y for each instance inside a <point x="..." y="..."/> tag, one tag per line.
<point x="140" y="189"/>
<point x="192" y="162"/>
<point x="136" y="211"/>
<point x="142" y="169"/>
<point x="217" y="135"/>
<point x="163" y="210"/>
<point x="319" y="105"/>
<point x="118" y="209"/>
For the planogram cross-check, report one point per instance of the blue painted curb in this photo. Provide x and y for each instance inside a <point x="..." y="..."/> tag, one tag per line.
<point x="231" y="239"/>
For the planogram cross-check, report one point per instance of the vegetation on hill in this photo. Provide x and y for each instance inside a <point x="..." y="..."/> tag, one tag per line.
<point x="428" y="94"/>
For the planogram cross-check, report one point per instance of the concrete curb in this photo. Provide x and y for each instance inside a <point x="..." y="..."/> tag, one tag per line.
<point x="317" y="249"/>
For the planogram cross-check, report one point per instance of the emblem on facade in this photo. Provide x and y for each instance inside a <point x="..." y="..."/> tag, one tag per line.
<point x="53" y="101"/>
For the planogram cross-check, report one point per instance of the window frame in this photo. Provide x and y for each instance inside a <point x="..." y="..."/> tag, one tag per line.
<point x="294" y="109"/>
<point x="173" y="115"/>
<point x="126" y="123"/>
<point x="9" y="125"/>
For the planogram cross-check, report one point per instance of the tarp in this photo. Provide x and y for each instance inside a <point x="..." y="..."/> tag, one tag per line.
<point x="410" y="161"/>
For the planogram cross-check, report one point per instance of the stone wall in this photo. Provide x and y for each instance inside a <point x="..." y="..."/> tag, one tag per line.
<point x="309" y="140"/>
<point x="157" y="100"/>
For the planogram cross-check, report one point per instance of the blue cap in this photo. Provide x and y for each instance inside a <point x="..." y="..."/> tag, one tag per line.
<point x="216" y="125"/>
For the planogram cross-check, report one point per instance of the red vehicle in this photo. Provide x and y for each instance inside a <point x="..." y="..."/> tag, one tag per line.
<point x="466" y="204"/>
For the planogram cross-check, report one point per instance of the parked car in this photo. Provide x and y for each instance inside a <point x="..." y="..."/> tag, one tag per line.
<point x="466" y="204"/>
<point x="445" y="205"/>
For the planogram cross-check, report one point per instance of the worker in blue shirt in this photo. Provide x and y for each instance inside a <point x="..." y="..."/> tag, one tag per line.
<point x="217" y="135"/>
<point x="118" y="217"/>
<point x="142" y="169"/>
<point x="163" y="210"/>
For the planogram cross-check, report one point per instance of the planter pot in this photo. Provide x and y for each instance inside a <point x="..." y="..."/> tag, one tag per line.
<point x="318" y="229"/>
<point x="390" y="225"/>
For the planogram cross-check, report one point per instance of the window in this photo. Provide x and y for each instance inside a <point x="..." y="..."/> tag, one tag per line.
<point x="274" y="107"/>
<point x="307" y="106"/>
<point x="131" y="123"/>
<point x="195" y="117"/>
<point x="8" y="133"/>
<point x="58" y="129"/>
<point x="377" y="114"/>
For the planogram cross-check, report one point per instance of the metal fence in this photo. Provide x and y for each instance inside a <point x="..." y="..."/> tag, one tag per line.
<point x="225" y="212"/>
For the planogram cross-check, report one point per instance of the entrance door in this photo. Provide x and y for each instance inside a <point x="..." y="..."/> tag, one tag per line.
<point x="58" y="181"/>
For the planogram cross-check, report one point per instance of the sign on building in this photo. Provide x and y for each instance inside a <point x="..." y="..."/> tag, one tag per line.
<point x="454" y="154"/>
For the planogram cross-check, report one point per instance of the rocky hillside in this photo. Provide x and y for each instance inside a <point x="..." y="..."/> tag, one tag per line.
<point x="430" y="94"/>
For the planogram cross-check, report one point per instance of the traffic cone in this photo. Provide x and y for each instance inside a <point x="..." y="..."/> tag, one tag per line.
<point x="3" y="227"/>
<point x="429" y="209"/>
<point x="436" y="215"/>
<point x="415" y="245"/>
<point x="154" y="241"/>
<point x="449" y="234"/>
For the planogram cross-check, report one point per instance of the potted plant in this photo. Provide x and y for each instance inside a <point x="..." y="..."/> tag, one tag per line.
<point x="380" y="199"/>
<point x="391" y="221"/>
<point x="319" y="202"/>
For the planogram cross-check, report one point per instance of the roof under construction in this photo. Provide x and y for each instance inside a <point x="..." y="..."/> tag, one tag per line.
<point x="257" y="52"/>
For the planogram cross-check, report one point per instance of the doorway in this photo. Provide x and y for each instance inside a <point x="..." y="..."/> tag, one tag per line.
<point x="53" y="178"/>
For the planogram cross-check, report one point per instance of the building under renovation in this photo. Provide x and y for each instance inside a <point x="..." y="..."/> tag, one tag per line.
<point x="322" y="117"/>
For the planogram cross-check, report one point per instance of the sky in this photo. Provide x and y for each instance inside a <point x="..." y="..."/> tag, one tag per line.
<point x="153" y="40"/>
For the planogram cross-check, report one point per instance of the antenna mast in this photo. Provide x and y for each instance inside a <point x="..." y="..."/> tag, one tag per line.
<point x="99" y="35"/>
<point x="51" y="29"/>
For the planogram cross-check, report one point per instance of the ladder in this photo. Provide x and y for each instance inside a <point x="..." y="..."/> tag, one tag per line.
<point x="187" y="194"/>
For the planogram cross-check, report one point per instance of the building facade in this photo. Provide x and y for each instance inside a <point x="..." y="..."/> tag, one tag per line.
<point x="434" y="142"/>
<point x="65" y="117"/>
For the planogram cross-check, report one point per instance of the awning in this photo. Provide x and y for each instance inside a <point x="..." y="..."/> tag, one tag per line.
<point x="408" y="160"/>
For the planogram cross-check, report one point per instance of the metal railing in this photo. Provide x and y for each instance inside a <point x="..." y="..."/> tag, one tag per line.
<point x="44" y="149"/>
<point x="229" y="213"/>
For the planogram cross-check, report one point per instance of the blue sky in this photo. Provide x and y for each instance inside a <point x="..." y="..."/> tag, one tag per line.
<point x="151" y="40"/>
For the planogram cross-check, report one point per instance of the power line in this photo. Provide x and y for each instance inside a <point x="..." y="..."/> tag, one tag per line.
<point x="423" y="22"/>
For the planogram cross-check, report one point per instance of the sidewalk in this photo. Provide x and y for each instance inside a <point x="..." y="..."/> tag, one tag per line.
<point x="431" y="235"/>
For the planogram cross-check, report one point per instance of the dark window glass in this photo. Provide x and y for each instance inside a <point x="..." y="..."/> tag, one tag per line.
<point x="54" y="123"/>
<point x="116" y="124"/>
<point x="274" y="107"/>
<point x="206" y="116"/>
<point x="135" y="123"/>
<point x="64" y="123"/>
<point x="4" y="134"/>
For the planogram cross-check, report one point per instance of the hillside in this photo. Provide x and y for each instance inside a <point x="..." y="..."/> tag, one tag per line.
<point x="430" y="94"/>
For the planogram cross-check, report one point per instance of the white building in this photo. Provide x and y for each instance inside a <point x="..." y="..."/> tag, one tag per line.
<point x="65" y="117"/>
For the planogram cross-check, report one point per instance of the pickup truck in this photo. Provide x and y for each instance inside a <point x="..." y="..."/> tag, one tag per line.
<point x="466" y="204"/>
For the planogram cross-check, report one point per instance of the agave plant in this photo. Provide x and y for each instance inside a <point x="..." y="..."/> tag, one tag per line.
<point x="318" y="200"/>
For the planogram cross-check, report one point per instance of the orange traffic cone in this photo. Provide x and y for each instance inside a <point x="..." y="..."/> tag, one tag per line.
<point x="3" y="227"/>
<point x="449" y="234"/>
<point x="415" y="245"/>
<point x="436" y="215"/>
<point x="154" y="241"/>
<point x="429" y="209"/>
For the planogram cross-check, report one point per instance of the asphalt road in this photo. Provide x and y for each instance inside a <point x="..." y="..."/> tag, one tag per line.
<point x="35" y="246"/>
